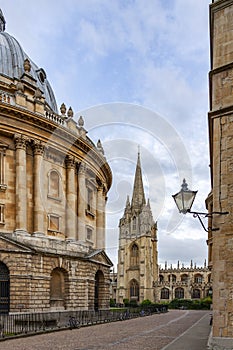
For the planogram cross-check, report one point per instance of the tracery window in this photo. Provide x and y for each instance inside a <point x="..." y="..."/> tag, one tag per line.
<point x="184" y="278"/>
<point x="198" y="278"/>
<point x="164" y="293"/>
<point x="134" y="290"/>
<point x="196" y="294"/>
<point x="179" y="293"/>
<point x="134" y="255"/>
<point x="134" y="223"/>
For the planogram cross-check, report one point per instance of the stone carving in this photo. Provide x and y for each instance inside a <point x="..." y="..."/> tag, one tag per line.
<point x="27" y="65"/>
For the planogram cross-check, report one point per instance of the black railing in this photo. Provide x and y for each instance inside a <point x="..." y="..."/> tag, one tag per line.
<point x="30" y="323"/>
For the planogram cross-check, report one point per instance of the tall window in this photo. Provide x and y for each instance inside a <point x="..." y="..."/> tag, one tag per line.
<point x="89" y="234"/>
<point x="198" y="278"/>
<point x="89" y="199"/>
<point x="2" y="169"/>
<point x="2" y="213"/>
<point x="134" y="255"/>
<point x="179" y="293"/>
<point x="196" y="294"/>
<point x="54" y="184"/>
<point x="164" y="293"/>
<point x="134" y="224"/>
<point x="134" y="290"/>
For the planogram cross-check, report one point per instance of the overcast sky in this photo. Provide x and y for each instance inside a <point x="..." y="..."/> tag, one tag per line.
<point x="137" y="71"/>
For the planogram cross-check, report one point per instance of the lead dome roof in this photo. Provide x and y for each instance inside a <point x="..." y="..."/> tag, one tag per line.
<point x="12" y="59"/>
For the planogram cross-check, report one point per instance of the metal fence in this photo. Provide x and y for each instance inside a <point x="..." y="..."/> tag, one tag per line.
<point x="30" y="323"/>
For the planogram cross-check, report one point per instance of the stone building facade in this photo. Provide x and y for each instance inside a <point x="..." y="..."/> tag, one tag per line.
<point x="137" y="255"/>
<point x="183" y="283"/>
<point x="220" y="118"/>
<point x="53" y="186"/>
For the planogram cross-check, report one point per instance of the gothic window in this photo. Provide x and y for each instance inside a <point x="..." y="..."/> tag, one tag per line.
<point x="198" y="278"/>
<point x="134" y="255"/>
<point x="172" y="278"/>
<point x="179" y="293"/>
<point x="2" y="213"/>
<point x="161" y="278"/>
<point x="196" y="294"/>
<point x="134" y="223"/>
<point x="134" y="290"/>
<point x="54" y="222"/>
<point x="54" y="184"/>
<point x="184" y="278"/>
<point x="165" y="293"/>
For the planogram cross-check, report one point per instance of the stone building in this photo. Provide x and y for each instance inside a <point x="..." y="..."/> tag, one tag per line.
<point x="53" y="186"/>
<point x="220" y="118"/>
<point x="183" y="283"/>
<point x="137" y="254"/>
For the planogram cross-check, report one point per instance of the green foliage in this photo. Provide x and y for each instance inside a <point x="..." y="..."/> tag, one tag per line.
<point x="146" y="302"/>
<point x="126" y="302"/>
<point x="203" y="304"/>
<point x="112" y="302"/>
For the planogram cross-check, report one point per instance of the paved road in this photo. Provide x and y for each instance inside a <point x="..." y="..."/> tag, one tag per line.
<point x="180" y="328"/>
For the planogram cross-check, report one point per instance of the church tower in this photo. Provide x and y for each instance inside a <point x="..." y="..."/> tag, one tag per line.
<point x="137" y="254"/>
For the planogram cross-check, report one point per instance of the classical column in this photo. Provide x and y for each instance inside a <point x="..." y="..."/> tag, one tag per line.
<point x="20" y="184"/>
<point x="82" y="202"/>
<point x="100" y="218"/>
<point x="38" y="178"/>
<point x="70" y="199"/>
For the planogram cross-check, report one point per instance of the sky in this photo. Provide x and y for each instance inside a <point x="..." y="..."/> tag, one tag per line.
<point x="137" y="71"/>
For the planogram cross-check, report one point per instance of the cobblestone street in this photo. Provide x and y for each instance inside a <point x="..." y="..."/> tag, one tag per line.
<point x="150" y="332"/>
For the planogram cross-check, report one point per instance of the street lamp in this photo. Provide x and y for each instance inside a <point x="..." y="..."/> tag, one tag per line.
<point x="184" y="201"/>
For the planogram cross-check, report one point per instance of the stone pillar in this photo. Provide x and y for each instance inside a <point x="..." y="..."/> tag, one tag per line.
<point x="38" y="176"/>
<point x="70" y="199"/>
<point x="82" y="202"/>
<point x="100" y="218"/>
<point x="20" y="184"/>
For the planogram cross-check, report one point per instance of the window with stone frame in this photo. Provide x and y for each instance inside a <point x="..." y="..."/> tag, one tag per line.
<point x="198" y="278"/>
<point x="179" y="293"/>
<point x="196" y="294"/>
<point x="134" y="290"/>
<point x="2" y="168"/>
<point x="89" y="234"/>
<point x="134" y="223"/>
<point x="89" y="199"/>
<point x="54" y="222"/>
<point x="164" y="293"/>
<point x="54" y="184"/>
<point x="2" y="214"/>
<point x="134" y="255"/>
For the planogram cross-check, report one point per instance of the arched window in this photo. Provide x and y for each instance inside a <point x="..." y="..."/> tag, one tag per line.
<point x="161" y="278"/>
<point x="198" y="278"/>
<point x="134" y="290"/>
<point x="172" y="278"/>
<point x="54" y="184"/>
<point x="179" y="293"/>
<point x="99" y="290"/>
<point x="196" y="294"/>
<point x="134" y="255"/>
<point x="165" y="293"/>
<point x="58" y="288"/>
<point x="4" y="289"/>
<point x="184" y="278"/>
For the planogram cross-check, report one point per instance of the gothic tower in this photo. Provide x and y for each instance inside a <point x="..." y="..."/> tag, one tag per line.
<point x="137" y="254"/>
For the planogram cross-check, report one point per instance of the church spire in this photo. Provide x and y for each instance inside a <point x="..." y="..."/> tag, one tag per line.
<point x="138" y="198"/>
<point x="2" y="22"/>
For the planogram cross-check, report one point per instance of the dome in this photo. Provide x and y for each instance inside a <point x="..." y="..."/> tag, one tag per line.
<point x="12" y="59"/>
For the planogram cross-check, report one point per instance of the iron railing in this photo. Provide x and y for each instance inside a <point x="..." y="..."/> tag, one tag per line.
<point x="30" y="323"/>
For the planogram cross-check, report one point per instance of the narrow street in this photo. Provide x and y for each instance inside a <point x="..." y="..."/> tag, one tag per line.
<point x="182" y="329"/>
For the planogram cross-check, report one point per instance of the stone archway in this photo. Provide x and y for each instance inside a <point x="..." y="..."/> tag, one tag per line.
<point x="58" y="289"/>
<point x="4" y="289"/>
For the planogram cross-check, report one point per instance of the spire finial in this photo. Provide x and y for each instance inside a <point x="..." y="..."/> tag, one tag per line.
<point x="2" y="22"/>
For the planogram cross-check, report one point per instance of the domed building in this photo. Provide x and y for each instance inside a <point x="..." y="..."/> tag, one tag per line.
<point x="53" y="186"/>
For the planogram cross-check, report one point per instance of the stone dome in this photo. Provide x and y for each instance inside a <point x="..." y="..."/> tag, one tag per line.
<point x="12" y="59"/>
